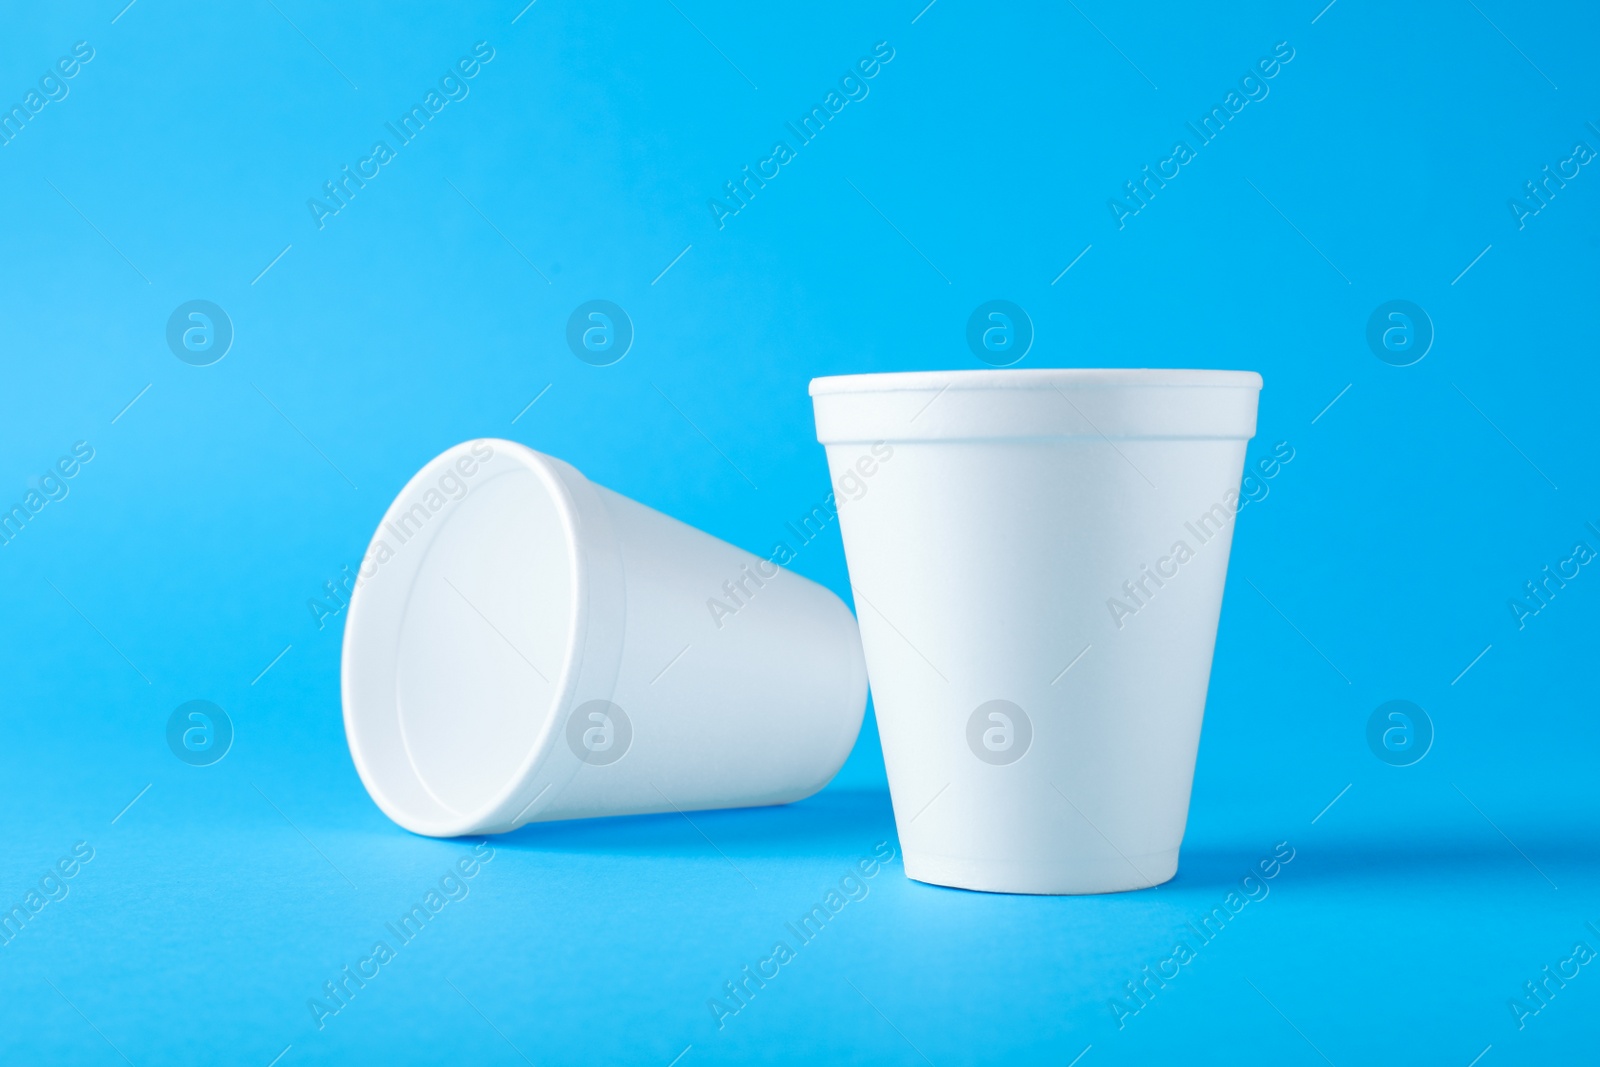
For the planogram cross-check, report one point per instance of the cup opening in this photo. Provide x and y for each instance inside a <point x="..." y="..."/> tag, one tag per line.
<point x="462" y="638"/>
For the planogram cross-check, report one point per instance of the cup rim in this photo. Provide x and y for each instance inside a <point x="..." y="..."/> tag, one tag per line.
<point x="1034" y="378"/>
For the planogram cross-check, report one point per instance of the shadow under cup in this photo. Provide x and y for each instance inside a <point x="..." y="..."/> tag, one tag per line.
<point x="1038" y="559"/>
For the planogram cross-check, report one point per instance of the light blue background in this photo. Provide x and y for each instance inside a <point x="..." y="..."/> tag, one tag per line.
<point x="979" y="167"/>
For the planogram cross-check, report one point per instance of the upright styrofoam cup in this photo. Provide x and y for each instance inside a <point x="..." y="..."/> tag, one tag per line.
<point x="1038" y="572"/>
<point x="523" y="644"/>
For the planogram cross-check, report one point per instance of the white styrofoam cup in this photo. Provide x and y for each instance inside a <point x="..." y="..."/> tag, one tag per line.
<point x="523" y="645"/>
<point x="1039" y="576"/>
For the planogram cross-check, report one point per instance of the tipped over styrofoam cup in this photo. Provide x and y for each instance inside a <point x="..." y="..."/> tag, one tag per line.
<point x="523" y="644"/>
<point x="1039" y="575"/>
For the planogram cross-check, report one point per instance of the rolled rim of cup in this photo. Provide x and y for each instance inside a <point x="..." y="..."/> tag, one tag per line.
<point x="454" y="680"/>
<point x="1035" y="404"/>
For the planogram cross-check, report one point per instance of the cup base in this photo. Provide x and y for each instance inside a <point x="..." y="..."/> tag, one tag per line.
<point x="1042" y="877"/>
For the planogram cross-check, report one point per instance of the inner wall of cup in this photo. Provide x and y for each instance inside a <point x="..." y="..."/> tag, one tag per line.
<point x="482" y="641"/>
